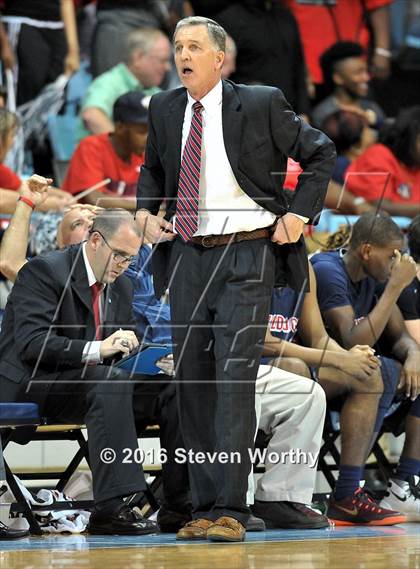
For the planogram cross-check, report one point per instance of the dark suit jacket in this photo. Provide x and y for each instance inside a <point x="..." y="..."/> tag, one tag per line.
<point x="49" y="318"/>
<point x="260" y="131"/>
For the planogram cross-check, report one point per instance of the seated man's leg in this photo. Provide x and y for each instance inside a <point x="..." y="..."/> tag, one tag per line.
<point x="102" y="397"/>
<point x="292" y="412"/>
<point x="349" y="505"/>
<point x="404" y="487"/>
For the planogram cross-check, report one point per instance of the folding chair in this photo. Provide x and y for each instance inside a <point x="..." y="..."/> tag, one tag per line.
<point x="392" y="424"/>
<point x="12" y="417"/>
<point x="47" y="431"/>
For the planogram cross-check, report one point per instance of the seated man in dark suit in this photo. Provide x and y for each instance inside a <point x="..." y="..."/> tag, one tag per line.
<point x="68" y="315"/>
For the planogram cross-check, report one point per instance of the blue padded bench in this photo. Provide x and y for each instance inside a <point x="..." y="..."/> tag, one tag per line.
<point x="18" y="415"/>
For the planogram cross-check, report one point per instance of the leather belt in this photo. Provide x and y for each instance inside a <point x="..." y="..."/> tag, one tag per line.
<point x="218" y="240"/>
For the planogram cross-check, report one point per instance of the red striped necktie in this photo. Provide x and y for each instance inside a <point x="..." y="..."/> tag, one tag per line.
<point x="96" y="289"/>
<point x="189" y="178"/>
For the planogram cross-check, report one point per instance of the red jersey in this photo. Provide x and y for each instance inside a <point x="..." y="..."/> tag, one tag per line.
<point x="378" y="173"/>
<point x="94" y="160"/>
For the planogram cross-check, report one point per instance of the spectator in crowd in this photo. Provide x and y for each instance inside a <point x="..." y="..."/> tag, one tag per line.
<point x="10" y="182"/>
<point x="269" y="49"/>
<point x="116" y="155"/>
<point x="351" y="135"/>
<point x="43" y="34"/>
<point x="347" y="281"/>
<point x="352" y="382"/>
<point x="409" y="301"/>
<point x="388" y="173"/>
<point x="114" y="20"/>
<point x="346" y="79"/>
<point x="146" y="60"/>
<point x="323" y="23"/>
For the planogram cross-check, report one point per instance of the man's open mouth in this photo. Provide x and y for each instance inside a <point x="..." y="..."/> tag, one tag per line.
<point x="187" y="70"/>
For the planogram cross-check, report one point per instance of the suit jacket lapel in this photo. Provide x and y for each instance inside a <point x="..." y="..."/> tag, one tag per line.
<point x="80" y="286"/>
<point x="232" y="124"/>
<point x="109" y="304"/>
<point x="174" y="120"/>
<point x="79" y="280"/>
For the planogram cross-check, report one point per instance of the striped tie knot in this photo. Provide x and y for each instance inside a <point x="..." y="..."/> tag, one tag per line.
<point x="198" y="107"/>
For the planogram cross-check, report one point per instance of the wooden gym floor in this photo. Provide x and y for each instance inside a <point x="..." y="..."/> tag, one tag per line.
<point x="396" y="547"/>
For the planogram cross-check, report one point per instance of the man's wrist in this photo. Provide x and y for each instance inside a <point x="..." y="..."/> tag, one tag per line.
<point x="301" y="217"/>
<point x="27" y="201"/>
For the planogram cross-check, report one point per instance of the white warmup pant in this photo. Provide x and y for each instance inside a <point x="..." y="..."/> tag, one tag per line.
<point x="291" y="409"/>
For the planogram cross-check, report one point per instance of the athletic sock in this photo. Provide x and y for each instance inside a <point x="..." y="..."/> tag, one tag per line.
<point x="407" y="467"/>
<point x="348" y="481"/>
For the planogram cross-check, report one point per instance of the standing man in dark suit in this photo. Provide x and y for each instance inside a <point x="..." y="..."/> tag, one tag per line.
<point x="70" y="311"/>
<point x="217" y="154"/>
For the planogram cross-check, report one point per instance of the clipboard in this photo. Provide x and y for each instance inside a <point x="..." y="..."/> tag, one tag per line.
<point x="143" y="359"/>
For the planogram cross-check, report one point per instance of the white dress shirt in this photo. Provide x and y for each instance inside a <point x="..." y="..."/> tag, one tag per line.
<point x="224" y="206"/>
<point x="91" y="352"/>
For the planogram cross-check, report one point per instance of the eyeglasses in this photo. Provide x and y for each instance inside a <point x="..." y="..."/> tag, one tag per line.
<point x="118" y="257"/>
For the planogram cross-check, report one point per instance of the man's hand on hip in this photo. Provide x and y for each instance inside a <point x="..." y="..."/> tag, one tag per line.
<point x="288" y="229"/>
<point x="154" y="228"/>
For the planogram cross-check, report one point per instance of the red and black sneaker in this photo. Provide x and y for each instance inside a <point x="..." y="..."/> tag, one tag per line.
<point x="361" y="509"/>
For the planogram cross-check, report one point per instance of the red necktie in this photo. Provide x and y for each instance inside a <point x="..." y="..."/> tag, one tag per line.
<point x="96" y="299"/>
<point x="189" y="178"/>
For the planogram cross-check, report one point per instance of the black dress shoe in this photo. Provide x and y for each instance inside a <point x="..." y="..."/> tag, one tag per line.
<point x="10" y="533"/>
<point x="255" y="524"/>
<point x="170" y="521"/>
<point x="289" y="515"/>
<point x="124" y="521"/>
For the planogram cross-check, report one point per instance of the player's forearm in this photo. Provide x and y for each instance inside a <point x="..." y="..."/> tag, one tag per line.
<point x="368" y="330"/>
<point x="326" y="342"/>
<point x="404" y="347"/>
<point x="311" y="356"/>
<point x="413" y="327"/>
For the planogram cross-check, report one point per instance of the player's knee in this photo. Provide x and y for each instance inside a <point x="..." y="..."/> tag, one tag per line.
<point x="318" y="397"/>
<point x="294" y="365"/>
<point x="376" y="382"/>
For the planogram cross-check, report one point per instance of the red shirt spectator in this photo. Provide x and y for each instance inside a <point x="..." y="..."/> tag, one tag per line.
<point x="8" y="179"/>
<point x="322" y="25"/>
<point x="377" y="174"/>
<point x="94" y="160"/>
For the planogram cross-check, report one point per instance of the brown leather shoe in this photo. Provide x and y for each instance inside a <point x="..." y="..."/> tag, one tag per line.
<point x="197" y="529"/>
<point x="226" y="529"/>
